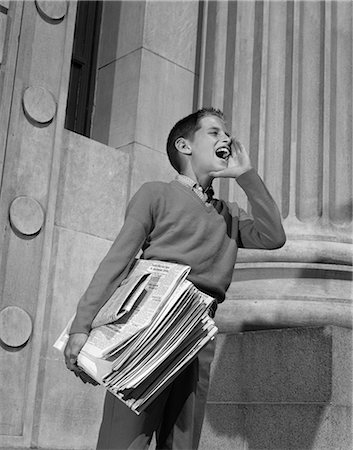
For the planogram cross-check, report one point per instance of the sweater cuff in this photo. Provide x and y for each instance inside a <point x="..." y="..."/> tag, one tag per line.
<point x="249" y="178"/>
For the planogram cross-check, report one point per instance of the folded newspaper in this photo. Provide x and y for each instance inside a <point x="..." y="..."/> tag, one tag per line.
<point x="153" y="325"/>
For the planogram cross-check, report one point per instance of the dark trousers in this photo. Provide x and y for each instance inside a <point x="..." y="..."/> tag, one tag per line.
<point x="176" y="416"/>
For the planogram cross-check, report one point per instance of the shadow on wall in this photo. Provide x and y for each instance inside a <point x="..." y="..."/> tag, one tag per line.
<point x="273" y="390"/>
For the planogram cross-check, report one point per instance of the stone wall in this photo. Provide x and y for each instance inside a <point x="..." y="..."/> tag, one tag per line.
<point x="281" y="389"/>
<point x="35" y="69"/>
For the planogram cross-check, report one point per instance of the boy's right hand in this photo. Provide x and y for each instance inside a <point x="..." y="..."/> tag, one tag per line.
<point x="73" y="347"/>
<point x="238" y="162"/>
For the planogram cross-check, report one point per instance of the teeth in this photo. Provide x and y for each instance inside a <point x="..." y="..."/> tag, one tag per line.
<point x="223" y="153"/>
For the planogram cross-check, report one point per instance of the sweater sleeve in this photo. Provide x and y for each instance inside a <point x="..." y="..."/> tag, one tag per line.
<point x="116" y="264"/>
<point x="262" y="230"/>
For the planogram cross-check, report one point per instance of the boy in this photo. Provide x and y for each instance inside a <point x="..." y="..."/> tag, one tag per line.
<point x="180" y="222"/>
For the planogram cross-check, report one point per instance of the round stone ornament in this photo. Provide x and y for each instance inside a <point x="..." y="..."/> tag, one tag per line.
<point x="52" y="11"/>
<point x="39" y="105"/>
<point x="15" y="326"/>
<point x="26" y="215"/>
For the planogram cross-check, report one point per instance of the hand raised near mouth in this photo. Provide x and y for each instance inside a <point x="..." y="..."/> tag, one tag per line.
<point x="238" y="162"/>
<point x="223" y="153"/>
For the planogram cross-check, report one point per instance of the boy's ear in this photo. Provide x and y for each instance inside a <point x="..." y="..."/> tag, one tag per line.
<point x="182" y="146"/>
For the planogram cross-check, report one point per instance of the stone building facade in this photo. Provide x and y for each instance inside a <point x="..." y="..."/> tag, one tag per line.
<point x="282" y="73"/>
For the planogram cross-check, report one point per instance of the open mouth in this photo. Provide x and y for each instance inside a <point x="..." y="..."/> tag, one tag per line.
<point x="223" y="153"/>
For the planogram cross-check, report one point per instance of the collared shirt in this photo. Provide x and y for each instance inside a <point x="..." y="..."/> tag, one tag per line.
<point x="204" y="195"/>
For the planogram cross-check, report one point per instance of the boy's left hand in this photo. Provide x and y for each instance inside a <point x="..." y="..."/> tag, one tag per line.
<point x="238" y="163"/>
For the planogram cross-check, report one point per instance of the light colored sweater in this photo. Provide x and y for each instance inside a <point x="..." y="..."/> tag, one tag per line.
<point x="171" y="223"/>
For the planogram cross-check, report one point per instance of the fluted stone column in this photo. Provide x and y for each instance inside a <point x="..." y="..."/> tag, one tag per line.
<point x="281" y="71"/>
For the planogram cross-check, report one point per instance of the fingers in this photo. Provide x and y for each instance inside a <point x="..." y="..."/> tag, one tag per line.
<point x="241" y="157"/>
<point x="70" y="356"/>
<point x="72" y="349"/>
<point x="71" y="362"/>
<point x="238" y="163"/>
<point x="238" y="146"/>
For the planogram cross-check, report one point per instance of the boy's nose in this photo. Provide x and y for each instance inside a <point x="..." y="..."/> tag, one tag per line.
<point x="226" y="139"/>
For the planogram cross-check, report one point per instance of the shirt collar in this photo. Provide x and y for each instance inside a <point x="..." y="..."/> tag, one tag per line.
<point x="186" y="181"/>
<point x="192" y="184"/>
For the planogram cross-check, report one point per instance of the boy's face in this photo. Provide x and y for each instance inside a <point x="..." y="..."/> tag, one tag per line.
<point x="210" y="146"/>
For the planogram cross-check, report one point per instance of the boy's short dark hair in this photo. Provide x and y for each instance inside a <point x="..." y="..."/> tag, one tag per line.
<point x="186" y="128"/>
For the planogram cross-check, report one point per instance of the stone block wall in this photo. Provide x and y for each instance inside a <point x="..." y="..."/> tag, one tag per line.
<point x="92" y="196"/>
<point x="145" y="81"/>
<point x="281" y="389"/>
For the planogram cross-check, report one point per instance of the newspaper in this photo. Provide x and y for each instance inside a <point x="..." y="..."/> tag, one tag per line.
<point x="151" y="327"/>
<point x="123" y="300"/>
<point x="162" y="280"/>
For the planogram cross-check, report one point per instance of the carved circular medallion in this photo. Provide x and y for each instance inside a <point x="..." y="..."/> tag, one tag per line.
<point x="26" y="215"/>
<point x="51" y="10"/>
<point x="39" y="105"/>
<point x="15" y="326"/>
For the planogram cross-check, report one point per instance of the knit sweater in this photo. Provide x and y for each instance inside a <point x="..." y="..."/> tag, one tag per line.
<point x="169" y="222"/>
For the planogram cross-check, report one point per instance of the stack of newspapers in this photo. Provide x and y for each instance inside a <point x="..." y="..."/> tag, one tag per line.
<point x="152" y="326"/>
